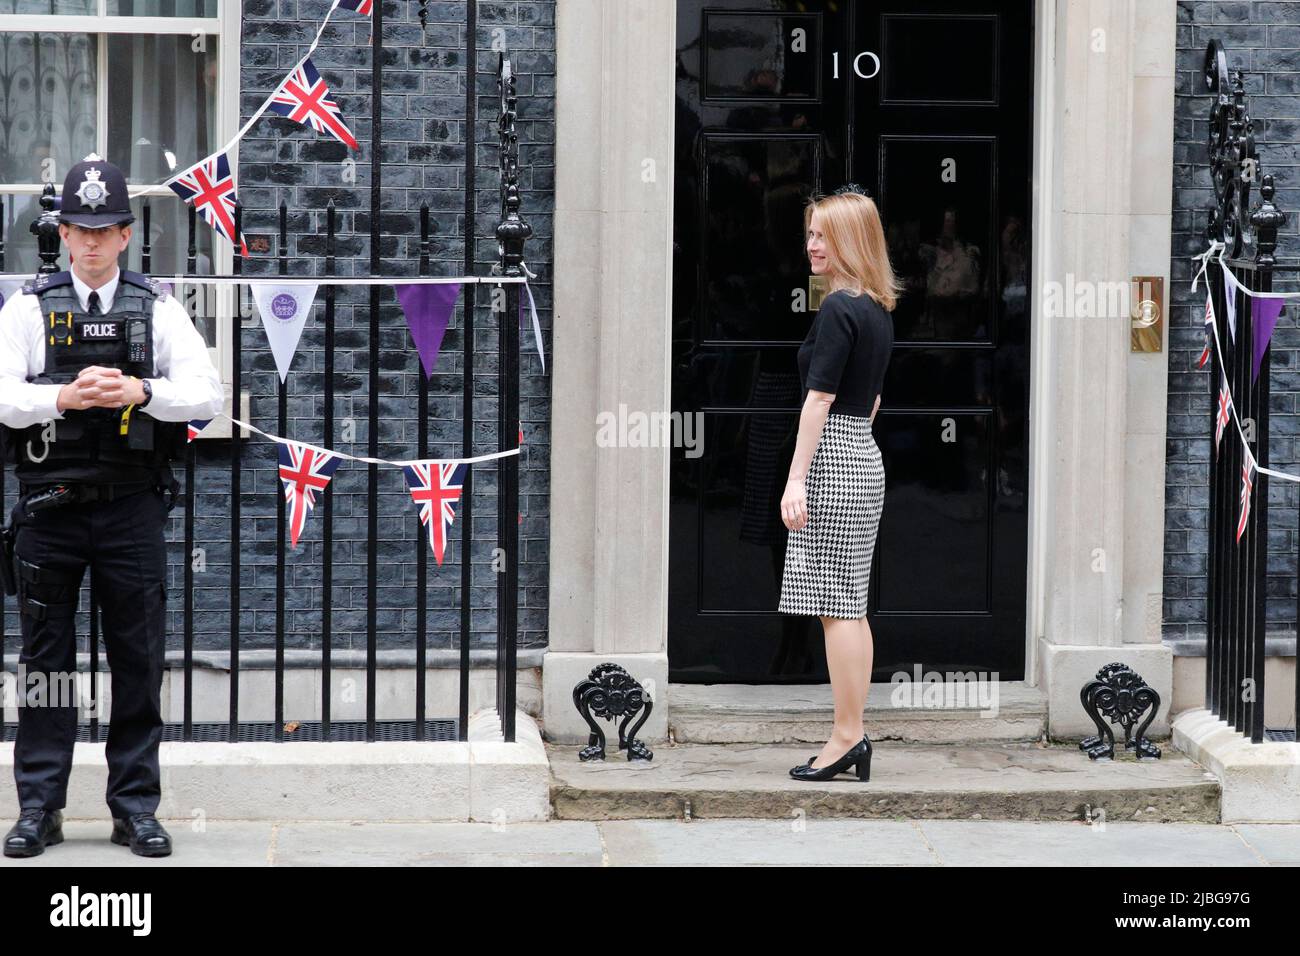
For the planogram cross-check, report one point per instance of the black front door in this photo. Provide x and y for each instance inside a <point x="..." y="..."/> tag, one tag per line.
<point x="927" y="105"/>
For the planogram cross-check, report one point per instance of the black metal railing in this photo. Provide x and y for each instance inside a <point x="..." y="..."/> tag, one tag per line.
<point x="1237" y="593"/>
<point x="512" y="231"/>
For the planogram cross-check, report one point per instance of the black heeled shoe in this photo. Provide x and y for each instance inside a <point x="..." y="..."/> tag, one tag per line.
<point x="864" y="737"/>
<point x="859" y="754"/>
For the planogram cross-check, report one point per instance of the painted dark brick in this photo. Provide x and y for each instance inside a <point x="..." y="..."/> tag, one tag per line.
<point x="1263" y="40"/>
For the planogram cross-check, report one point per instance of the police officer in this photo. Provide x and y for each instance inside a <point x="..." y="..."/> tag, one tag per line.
<point x="100" y="369"/>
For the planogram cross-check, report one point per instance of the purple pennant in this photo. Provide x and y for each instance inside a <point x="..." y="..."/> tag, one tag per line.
<point x="428" y="307"/>
<point x="1263" y="315"/>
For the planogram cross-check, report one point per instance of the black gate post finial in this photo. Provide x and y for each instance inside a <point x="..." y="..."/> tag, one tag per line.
<point x="512" y="230"/>
<point x="1234" y="162"/>
<point x="46" y="230"/>
<point x="1267" y="220"/>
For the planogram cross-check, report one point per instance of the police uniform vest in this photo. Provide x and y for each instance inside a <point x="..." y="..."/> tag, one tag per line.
<point x="96" y="445"/>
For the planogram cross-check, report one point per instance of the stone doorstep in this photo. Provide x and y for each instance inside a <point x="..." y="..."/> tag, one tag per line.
<point x="788" y="713"/>
<point x="1012" y="781"/>
<point x="483" y="779"/>
<point x="1260" y="782"/>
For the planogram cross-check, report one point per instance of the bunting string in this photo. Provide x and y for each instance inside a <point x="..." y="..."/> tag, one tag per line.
<point x="1223" y="263"/>
<point x="1218" y="345"/>
<point x="371" y="461"/>
<point x="1204" y="257"/>
<point x="267" y="102"/>
<point x="435" y="484"/>
<point x="20" y="278"/>
<point x="427" y="301"/>
<point x="301" y="96"/>
<point x="1219" y="253"/>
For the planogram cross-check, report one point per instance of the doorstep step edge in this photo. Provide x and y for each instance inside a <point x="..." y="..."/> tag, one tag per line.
<point x="1193" y="803"/>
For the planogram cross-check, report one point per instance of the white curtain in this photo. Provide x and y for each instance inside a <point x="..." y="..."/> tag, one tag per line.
<point x="47" y="102"/>
<point x="47" y="122"/>
<point x="162" y="98"/>
<point x="160" y="101"/>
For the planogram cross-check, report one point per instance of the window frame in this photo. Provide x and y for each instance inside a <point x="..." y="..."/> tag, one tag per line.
<point x="226" y="28"/>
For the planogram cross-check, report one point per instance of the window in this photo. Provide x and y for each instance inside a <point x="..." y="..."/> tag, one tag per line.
<point x="151" y="85"/>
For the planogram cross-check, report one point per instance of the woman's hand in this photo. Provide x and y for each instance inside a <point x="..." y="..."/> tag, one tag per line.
<point x="875" y="408"/>
<point x="794" y="505"/>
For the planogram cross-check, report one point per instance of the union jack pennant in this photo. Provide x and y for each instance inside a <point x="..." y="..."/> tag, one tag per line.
<point x="435" y="486"/>
<point x="1209" y="331"/>
<point x="304" y="472"/>
<point x="195" y="426"/>
<point x="1247" y="467"/>
<point x="304" y="98"/>
<point x="209" y="185"/>
<point x="1224" y="413"/>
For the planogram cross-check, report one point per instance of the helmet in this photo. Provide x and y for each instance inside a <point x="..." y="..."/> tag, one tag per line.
<point x="94" y="195"/>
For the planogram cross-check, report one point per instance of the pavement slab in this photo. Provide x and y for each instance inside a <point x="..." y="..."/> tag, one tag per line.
<point x="805" y="840"/>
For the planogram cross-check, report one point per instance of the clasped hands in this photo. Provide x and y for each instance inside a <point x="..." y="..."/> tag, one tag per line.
<point x="100" y="387"/>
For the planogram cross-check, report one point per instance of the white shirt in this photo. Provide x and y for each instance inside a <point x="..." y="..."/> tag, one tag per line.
<point x="186" y="385"/>
<point x="106" y="293"/>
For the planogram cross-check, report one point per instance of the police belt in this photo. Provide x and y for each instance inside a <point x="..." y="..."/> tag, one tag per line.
<point x="50" y="495"/>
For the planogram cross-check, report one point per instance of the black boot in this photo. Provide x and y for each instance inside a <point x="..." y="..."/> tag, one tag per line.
<point x="143" y="833"/>
<point x="35" y="830"/>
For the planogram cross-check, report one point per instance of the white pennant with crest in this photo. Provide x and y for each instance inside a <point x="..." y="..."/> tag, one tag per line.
<point x="284" y="310"/>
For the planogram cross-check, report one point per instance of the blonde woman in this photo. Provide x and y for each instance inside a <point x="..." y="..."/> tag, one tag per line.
<point x="836" y="487"/>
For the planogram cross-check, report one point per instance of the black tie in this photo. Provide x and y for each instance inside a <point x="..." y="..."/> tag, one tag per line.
<point x="92" y="305"/>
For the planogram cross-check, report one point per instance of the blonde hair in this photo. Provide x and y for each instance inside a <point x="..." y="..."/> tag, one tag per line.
<point x="856" y="249"/>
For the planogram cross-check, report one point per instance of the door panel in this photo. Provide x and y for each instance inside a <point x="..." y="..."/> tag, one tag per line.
<point x="751" y="188"/>
<point x="941" y="241"/>
<point x="939" y="58"/>
<point x="769" y="109"/>
<point x="746" y="56"/>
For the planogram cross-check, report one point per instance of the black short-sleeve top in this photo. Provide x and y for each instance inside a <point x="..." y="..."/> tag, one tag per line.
<point x="847" y="351"/>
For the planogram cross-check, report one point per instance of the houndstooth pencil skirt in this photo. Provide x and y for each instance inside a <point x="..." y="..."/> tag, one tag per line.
<point x="828" y="560"/>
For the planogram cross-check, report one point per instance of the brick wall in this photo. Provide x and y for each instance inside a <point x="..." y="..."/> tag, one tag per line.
<point x="1263" y="40"/>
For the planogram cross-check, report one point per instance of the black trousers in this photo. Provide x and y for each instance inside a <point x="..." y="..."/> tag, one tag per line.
<point x="121" y="541"/>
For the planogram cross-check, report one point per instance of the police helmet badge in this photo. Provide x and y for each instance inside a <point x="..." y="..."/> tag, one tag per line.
<point x="92" y="192"/>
